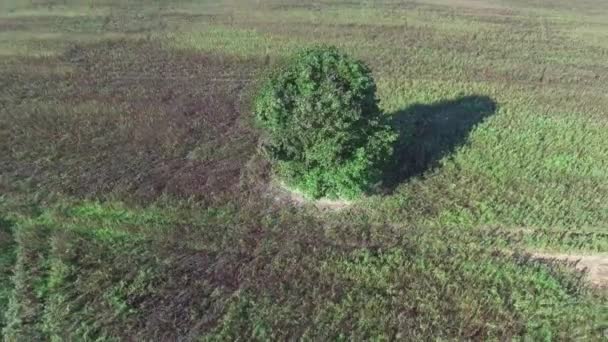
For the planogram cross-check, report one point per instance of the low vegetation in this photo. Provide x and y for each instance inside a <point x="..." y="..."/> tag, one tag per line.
<point x="136" y="204"/>
<point x="86" y="270"/>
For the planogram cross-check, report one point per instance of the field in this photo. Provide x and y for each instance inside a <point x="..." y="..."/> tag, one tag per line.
<point x="135" y="204"/>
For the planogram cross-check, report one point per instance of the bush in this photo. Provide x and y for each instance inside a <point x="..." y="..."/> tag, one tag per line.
<point x="325" y="134"/>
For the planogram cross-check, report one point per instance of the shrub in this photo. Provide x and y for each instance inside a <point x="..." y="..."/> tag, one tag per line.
<point x="325" y="134"/>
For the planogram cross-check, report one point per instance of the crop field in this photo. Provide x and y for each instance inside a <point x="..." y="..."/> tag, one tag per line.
<point x="135" y="203"/>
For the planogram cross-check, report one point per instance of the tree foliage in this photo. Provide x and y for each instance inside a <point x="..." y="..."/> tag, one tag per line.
<point x="325" y="133"/>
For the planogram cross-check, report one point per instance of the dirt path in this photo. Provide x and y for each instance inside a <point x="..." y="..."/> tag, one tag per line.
<point x="284" y="194"/>
<point x="595" y="265"/>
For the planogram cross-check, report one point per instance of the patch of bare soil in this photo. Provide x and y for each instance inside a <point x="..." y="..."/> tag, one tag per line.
<point x="596" y="266"/>
<point x="281" y="193"/>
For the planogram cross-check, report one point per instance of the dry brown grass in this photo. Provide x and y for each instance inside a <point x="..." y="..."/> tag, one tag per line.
<point x="130" y="118"/>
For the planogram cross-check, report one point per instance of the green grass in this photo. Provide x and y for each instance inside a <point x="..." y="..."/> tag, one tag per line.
<point x="134" y="203"/>
<point x="90" y="270"/>
<point x="7" y="260"/>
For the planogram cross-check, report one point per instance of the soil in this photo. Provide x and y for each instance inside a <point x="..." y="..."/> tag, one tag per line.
<point x="283" y="194"/>
<point x="596" y="266"/>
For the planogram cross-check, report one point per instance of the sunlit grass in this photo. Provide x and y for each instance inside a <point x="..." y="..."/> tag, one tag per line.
<point x="40" y="44"/>
<point x="71" y="250"/>
<point x="231" y="41"/>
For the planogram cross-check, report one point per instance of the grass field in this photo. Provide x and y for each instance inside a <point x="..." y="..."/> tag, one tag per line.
<point x="134" y="203"/>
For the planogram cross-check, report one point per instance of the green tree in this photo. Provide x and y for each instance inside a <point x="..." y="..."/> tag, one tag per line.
<point x="324" y="132"/>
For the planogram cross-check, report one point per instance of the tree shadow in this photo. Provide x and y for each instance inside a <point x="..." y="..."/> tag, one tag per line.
<point x="430" y="132"/>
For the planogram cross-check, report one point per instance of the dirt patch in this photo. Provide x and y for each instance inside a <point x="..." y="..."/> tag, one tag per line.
<point x="281" y="193"/>
<point x="596" y="266"/>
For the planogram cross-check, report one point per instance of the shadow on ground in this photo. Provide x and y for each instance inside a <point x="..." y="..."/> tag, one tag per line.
<point x="430" y="132"/>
